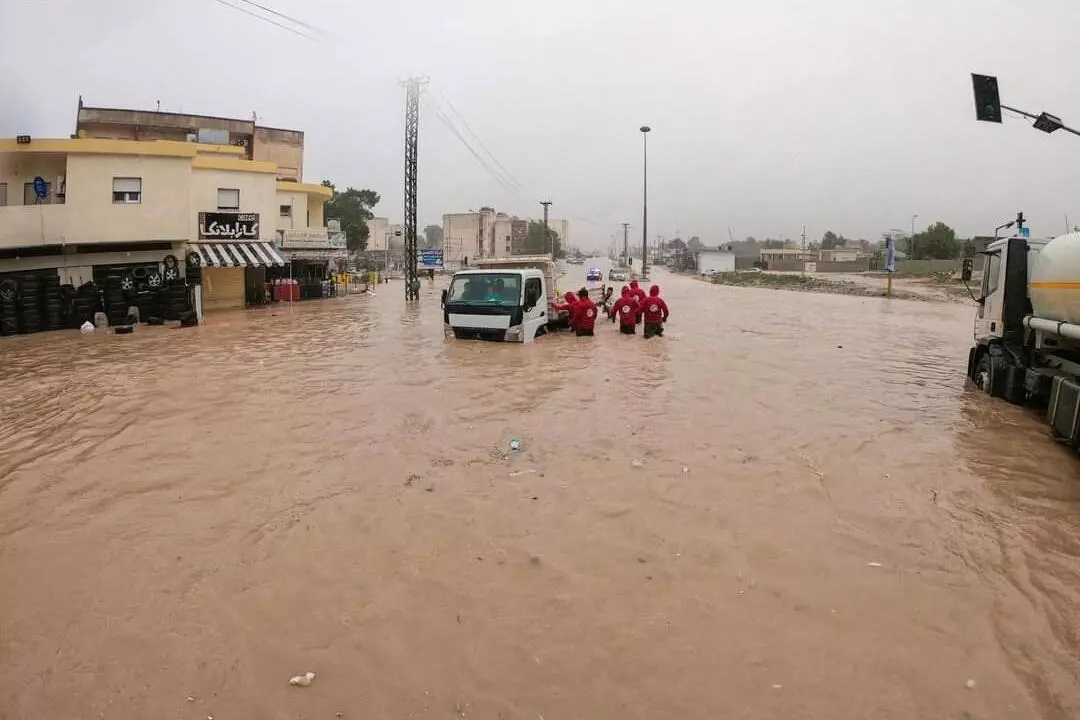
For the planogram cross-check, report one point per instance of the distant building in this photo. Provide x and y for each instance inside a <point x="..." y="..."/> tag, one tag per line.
<point x="787" y="253"/>
<point x="840" y="255"/>
<point x="486" y="233"/>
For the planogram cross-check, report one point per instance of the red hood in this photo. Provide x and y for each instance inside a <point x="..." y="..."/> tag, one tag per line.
<point x="654" y="291"/>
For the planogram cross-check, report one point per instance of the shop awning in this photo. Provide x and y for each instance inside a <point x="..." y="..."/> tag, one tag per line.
<point x="238" y="254"/>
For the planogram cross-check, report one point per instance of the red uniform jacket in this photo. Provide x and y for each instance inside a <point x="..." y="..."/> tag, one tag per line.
<point x="655" y="309"/>
<point x="626" y="310"/>
<point x="584" y="317"/>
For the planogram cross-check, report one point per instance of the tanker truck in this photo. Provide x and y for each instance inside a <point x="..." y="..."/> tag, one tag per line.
<point x="1027" y="328"/>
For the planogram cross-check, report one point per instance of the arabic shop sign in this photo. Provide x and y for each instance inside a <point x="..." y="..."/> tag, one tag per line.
<point x="228" y="226"/>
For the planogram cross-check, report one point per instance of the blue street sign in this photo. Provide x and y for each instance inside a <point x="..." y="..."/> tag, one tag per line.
<point x="41" y="188"/>
<point x="890" y="255"/>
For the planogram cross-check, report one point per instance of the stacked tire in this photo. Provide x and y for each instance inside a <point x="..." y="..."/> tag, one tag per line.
<point x="116" y="301"/>
<point x="9" y="320"/>
<point x="52" y="305"/>
<point x="30" y="304"/>
<point x="174" y="301"/>
<point x="84" y="305"/>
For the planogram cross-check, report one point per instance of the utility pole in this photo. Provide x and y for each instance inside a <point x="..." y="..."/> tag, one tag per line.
<point x="626" y="243"/>
<point x="645" y="129"/>
<point x="548" y="246"/>
<point x="412" y="132"/>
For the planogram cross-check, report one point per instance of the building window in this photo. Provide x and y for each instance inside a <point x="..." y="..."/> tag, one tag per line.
<point x="228" y="199"/>
<point x="127" y="190"/>
<point x="30" y="195"/>
<point x="3" y="194"/>
<point x="285" y="210"/>
<point x="508" y="244"/>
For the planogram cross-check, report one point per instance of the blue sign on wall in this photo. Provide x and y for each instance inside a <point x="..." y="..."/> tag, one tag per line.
<point x="890" y="255"/>
<point x="41" y="188"/>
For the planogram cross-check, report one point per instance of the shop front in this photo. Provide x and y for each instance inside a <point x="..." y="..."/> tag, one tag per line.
<point x="313" y="257"/>
<point x="231" y="264"/>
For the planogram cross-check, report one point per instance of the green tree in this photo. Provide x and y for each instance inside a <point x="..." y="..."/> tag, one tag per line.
<point x="433" y="239"/>
<point x="537" y="244"/>
<point x="353" y="208"/>
<point x="694" y="244"/>
<point x="770" y="244"/>
<point x="830" y="240"/>
<point x="937" y="242"/>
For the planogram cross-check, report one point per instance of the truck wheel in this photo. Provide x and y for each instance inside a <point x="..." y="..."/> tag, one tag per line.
<point x="981" y="374"/>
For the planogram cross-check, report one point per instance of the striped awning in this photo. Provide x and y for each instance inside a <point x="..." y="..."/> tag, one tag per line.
<point x="238" y="254"/>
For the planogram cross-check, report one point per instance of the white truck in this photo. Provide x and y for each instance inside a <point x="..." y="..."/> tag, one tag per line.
<point x="1027" y="328"/>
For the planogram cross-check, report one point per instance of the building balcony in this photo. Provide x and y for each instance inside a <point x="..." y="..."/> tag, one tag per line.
<point x="31" y="225"/>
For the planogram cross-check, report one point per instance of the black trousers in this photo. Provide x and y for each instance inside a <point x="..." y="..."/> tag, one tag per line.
<point x="627" y="329"/>
<point x="584" y="333"/>
<point x="652" y="329"/>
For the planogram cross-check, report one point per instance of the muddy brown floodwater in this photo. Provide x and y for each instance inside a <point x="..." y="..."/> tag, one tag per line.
<point x="823" y="522"/>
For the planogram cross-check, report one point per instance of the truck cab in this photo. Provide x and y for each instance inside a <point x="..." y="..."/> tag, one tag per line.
<point x="504" y="304"/>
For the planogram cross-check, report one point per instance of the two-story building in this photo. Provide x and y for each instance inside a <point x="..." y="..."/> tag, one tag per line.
<point x="487" y="233"/>
<point x="89" y="207"/>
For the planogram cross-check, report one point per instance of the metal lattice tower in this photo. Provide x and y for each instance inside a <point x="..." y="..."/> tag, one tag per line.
<point x="412" y="131"/>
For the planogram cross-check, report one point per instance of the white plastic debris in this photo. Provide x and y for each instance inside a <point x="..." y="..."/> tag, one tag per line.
<point x="970" y="684"/>
<point x="515" y="444"/>
<point x="686" y="469"/>
<point x="638" y="463"/>
<point x="302" y="680"/>
<point x="86" y="328"/>
<point x="873" y="564"/>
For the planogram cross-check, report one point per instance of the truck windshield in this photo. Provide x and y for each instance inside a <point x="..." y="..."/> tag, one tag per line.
<point x="498" y="289"/>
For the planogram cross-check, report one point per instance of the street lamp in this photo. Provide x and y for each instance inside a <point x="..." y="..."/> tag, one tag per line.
<point x="911" y="248"/>
<point x="645" y="129"/>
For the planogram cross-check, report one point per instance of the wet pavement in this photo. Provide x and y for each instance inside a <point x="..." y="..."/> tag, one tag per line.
<point x="822" y="521"/>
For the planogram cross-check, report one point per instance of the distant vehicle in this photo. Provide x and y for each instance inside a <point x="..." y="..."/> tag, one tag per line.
<point x="617" y="275"/>
<point x="594" y="274"/>
<point x="575" y="261"/>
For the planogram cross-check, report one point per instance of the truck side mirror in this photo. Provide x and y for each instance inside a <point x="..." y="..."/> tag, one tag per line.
<point x="965" y="272"/>
<point x="444" y="297"/>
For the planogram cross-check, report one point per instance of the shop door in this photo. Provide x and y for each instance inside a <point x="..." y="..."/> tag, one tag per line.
<point x="222" y="288"/>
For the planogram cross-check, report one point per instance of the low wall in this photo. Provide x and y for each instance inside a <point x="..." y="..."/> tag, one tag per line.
<point x="843" y="267"/>
<point x="787" y="265"/>
<point x="925" y="267"/>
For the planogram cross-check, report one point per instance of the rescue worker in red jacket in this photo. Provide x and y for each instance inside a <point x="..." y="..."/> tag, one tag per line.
<point x="639" y="297"/>
<point x="585" y="312"/>
<point x="568" y="306"/>
<point x="655" y="313"/>
<point x="625" y="310"/>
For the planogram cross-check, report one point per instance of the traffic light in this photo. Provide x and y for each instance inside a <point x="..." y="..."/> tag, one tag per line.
<point x="987" y="100"/>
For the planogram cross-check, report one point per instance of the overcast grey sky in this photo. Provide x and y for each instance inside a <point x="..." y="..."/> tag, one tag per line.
<point x="848" y="115"/>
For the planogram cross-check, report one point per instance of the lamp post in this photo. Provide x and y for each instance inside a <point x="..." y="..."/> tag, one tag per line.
<point x="645" y="129"/>
<point x="911" y="248"/>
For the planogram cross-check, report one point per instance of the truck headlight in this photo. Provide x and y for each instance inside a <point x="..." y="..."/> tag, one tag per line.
<point x="513" y="334"/>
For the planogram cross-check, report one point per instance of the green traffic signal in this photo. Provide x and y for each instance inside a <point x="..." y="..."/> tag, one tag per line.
<point x="987" y="100"/>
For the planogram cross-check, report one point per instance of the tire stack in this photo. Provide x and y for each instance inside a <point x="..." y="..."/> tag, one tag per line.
<point x="149" y="304"/>
<point x="83" y="306"/>
<point x="174" y="301"/>
<point x="51" y="303"/>
<point x="30" y="305"/>
<point x="9" y="320"/>
<point x="116" y="302"/>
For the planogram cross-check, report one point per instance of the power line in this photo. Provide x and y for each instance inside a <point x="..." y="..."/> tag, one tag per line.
<point x="472" y="151"/>
<point x="291" y="19"/>
<point x="265" y="19"/>
<point x="480" y="142"/>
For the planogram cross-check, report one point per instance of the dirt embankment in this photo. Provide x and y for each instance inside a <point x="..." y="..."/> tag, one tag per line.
<point x="929" y="288"/>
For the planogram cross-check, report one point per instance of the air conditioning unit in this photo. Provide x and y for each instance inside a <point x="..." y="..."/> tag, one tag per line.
<point x="60" y="188"/>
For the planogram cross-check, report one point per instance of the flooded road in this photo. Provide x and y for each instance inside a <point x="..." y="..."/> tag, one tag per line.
<point x="823" y="522"/>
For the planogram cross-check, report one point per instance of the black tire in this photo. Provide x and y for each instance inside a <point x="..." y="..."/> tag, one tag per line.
<point x="9" y="290"/>
<point x="155" y="320"/>
<point x="170" y="261"/>
<point x="171" y="274"/>
<point x="154" y="279"/>
<point x="193" y="259"/>
<point x="127" y="283"/>
<point x="123" y="329"/>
